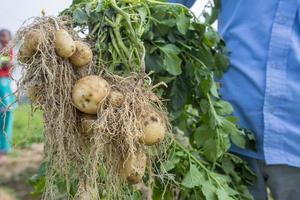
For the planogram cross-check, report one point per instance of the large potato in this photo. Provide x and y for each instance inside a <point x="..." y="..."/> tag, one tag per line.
<point x="134" y="168"/>
<point x="65" y="46"/>
<point x="82" y="56"/>
<point x="89" y="92"/>
<point x="153" y="130"/>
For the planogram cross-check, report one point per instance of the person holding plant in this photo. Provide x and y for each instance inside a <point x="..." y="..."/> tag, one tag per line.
<point x="263" y="85"/>
<point x="6" y="97"/>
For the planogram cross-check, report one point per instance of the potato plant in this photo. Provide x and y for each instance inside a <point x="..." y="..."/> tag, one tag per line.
<point x="169" y="43"/>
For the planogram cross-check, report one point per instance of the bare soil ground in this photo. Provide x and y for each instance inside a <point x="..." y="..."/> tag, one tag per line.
<point x="20" y="165"/>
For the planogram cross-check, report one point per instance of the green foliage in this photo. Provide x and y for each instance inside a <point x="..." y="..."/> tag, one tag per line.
<point x="189" y="57"/>
<point x="38" y="180"/>
<point x="28" y="127"/>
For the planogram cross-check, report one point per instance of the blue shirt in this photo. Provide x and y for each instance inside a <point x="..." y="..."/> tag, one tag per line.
<point x="263" y="81"/>
<point x="187" y="3"/>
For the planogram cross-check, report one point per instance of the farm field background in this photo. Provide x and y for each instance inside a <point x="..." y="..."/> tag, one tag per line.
<point x="26" y="156"/>
<point x="28" y="127"/>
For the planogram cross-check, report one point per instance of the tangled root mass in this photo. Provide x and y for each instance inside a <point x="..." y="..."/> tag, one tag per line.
<point x="93" y="159"/>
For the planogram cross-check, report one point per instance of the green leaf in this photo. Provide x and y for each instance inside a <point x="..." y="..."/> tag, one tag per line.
<point x="193" y="178"/>
<point x="80" y="16"/>
<point x="224" y="107"/>
<point x="205" y="85"/>
<point x="172" y="64"/>
<point x="183" y="23"/>
<point x="166" y="79"/>
<point x="204" y="105"/>
<point x="237" y="136"/>
<point x="214" y="89"/>
<point x="79" y="1"/>
<point x="238" y="139"/>
<point x="211" y="149"/>
<point x="199" y="28"/>
<point x="154" y="62"/>
<point x="179" y="94"/>
<point x="221" y="63"/>
<point x="223" y="194"/>
<point x="227" y="165"/>
<point x="245" y="193"/>
<point x="201" y="135"/>
<point x="170" y="49"/>
<point x="212" y="38"/>
<point x="143" y="13"/>
<point x="171" y="163"/>
<point x="160" y="191"/>
<point x="209" y="191"/>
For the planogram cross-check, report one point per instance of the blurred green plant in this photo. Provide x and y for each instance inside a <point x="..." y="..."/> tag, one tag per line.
<point x="28" y="127"/>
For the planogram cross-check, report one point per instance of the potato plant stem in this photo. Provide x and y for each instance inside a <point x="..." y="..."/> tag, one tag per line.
<point x="115" y="45"/>
<point x="197" y="161"/>
<point x="118" y="36"/>
<point x="132" y="33"/>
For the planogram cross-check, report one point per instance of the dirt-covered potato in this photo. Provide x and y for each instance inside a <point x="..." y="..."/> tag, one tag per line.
<point x="134" y="168"/>
<point x="89" y="92"/>
<point x="116" y="98"/>
<point x="86" y="123"/>
<point x="33" y="39"/>
<point x="65" y="46"/>
<point x="24" y="54"/>
<point x="153" y="130"/>
<point x="82" y="56"/>
<point x="31" y="43"/>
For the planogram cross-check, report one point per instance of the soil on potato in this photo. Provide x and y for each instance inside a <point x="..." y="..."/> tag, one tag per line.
<point x="20" y="165"/>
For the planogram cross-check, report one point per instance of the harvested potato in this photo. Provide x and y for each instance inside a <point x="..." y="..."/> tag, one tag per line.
<point x="153" y="130"/>
<point x="134" y="168"/>
<point x="116" y="98"/>
<point x="82" y="56"/>
<point x="24" y="54"/>
<point x="65" y="46"/>
<point x="89" y="92"/>
<point x="32" y="40"/>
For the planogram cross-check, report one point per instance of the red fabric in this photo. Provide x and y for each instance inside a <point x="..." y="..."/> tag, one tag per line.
<point x="5" y="71"/>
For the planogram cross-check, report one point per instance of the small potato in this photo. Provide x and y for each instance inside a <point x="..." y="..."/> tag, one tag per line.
<point x="116" y="99"/>
<point x="89" y="92"/>
<point x="64" y="44"/>
<point x="82" y="56"/>
<point x="134" y="168"/>
<point x="24" y="54"/>
<point x="33" y="39"/>
<point x="153" y="130"/>
<point x="86" y="123"/>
